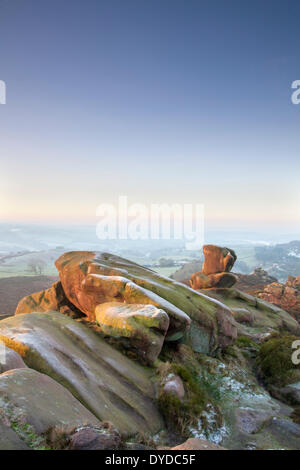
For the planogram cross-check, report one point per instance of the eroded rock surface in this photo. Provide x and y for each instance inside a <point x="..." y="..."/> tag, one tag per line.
<point x="29" y="397"/>
<point x="110" y="385"/>
<point x="143" y="326"/>
<point x="9" y="440"/>
<point x="90" y="279"/>
<point x="262" y="318"/>
<point x="217" y="259"/>
<point x="285" y="296"/>
<point x="215" y="273"/>
<point x="50" y="299"/>
<point x="9" y="359"/>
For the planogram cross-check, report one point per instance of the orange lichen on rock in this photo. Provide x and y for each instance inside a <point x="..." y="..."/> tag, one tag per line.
<point x="15" y="345"/>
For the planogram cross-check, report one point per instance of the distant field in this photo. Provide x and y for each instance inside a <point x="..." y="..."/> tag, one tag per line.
<point x="246" y="253"/>
<point x="34" y="263"/>
<point x="167" y="271"/>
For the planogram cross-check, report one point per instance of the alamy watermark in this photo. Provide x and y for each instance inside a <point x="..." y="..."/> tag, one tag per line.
<point x="152" y="222"/>
<point x="296" y="94"/>
<point x="2" y="92"/>
<point x="296" y="353"/>
<point x="2" y="353"/>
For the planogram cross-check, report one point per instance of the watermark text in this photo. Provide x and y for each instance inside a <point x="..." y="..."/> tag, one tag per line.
<point x="2" y="92"/>
<point x="296" y="94"/>
<point x="139" y="221"/>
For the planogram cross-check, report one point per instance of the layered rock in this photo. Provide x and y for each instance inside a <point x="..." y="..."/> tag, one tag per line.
<point x="111" y="386"/>
<point x="255" y="282"/>
<point x="90" y="279"/>
<point x="215" y="269"/>
<point x="9" y="440"/>
<point x="255" y="316"/>
<point x="30" y="398"/>
<point x="286" y="296"/>
<point x="217" y="259"/>
<point x="50" y="299"/>
<point x="9" y="359"/>
<point x="142" y="327"/>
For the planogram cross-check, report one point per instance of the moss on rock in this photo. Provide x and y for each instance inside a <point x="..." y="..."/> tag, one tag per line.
<point x="275" y="361"/>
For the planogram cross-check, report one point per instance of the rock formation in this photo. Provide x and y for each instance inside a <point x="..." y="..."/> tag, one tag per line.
<point x="50" y="299"/>
<point x="98" y="285"/>
<point x="255" y="282"/>
<point x="286" y="296"/>
<point x="215" y="269"/>
<point x="110" y="385"/>
<point x="82" y="341"/>
<point x="143" y="326"/>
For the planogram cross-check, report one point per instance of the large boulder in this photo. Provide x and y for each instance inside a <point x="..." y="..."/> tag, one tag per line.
<point x="218" y="280"/>
<point x="142" y="327"/>
<point x="215" y="273"/>
<point x="28" y="397"/>
<point x="9" y="440"/>
<point x="255" y="315"/>
<point x="50" y="299"/>
<point x="110" y="385"/>
<point x="91" y="278"/>
<point x="285" y="296"/>
<point x="10" y="359"/>
<point x="217" y="259"/>
<point x="255" y="282"/>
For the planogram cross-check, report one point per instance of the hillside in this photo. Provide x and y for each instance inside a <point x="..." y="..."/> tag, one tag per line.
<point x="12" y="289"/>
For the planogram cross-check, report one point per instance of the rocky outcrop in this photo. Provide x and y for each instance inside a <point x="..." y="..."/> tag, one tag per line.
<point x="217" y="259"/>
<point x="9" y="359"/>
<point x="9" y="440"/>
<point x="254" y="314"/>
<point x="107" y="383"/>
<point x="142" y="327"/>
<point x="255" y="282"/>
<point x="90" y="279"/>
<point x="29" y="398"/>
<point x="215" y="269"/>
<point x="213" y="397"/>
<point x="51" y="299"/>
<point x="286" y="296"/>
<point x="217" y="280"/>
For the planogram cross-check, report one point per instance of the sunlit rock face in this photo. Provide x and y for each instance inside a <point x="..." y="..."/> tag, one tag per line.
<point x="111" y="386"/>
<point x="40" y="401"/>
<point x="286" y="296"/>
<point x="50" y="299"/>
<point x="90" y="279"/>
<point x="215" y="273"/>
<point x="143" y="327"/>
<point x="217" y="259"/>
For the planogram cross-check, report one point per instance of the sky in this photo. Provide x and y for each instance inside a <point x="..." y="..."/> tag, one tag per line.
<point x="164" y="101"/>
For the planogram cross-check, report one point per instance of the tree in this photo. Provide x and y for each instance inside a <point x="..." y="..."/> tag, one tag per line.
<point x="166" y="262"/>
<point x="36" y="266"/>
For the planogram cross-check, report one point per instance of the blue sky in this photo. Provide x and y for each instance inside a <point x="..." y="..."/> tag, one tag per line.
<point x="160" y="100"/>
